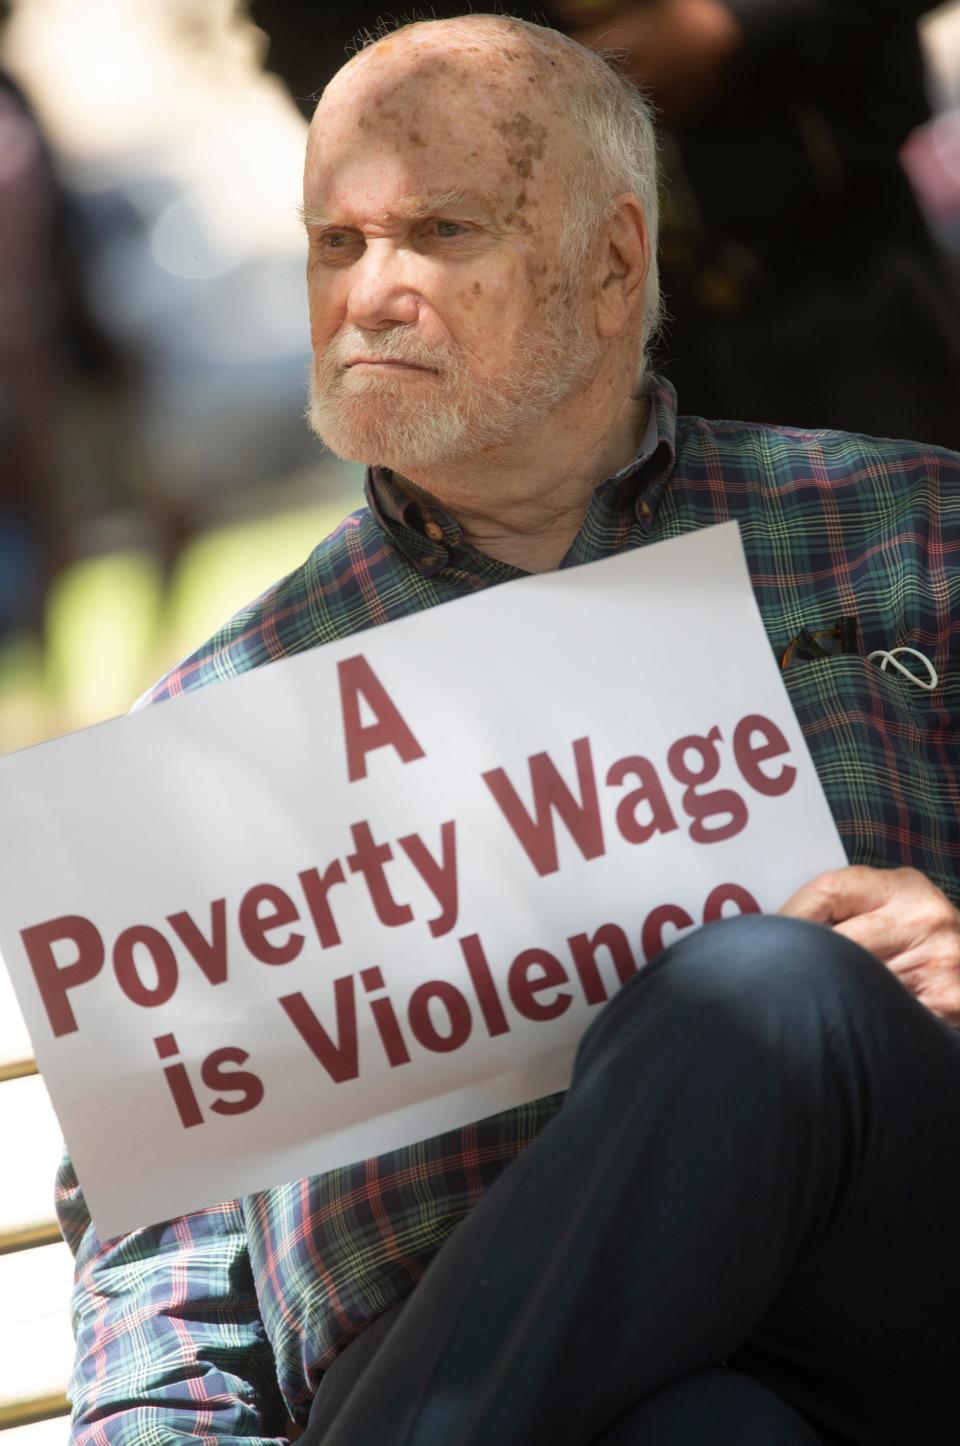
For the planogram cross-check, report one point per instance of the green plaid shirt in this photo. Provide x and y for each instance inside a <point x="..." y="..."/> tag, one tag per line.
<point x="211" y="1327"/>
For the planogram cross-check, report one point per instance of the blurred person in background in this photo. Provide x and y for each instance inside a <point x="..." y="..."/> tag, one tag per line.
<point x="52" y="351"/>
<point x="802" y="283"/>
<point x="31" y="306"/>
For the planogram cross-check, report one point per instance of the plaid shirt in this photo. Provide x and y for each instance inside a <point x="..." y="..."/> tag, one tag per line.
<point x="211" y="1327"/>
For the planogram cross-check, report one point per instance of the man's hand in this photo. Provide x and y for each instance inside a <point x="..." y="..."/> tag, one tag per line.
<point x="902" y="918"/>
<point x="676" y="49"/>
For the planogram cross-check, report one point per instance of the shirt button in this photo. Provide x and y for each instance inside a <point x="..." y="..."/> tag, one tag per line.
<point x="645" y="509"/>
<point x="434" y="531"/>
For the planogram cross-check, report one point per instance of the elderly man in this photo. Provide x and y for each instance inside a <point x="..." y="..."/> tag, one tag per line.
<point x="740" y="1224"/>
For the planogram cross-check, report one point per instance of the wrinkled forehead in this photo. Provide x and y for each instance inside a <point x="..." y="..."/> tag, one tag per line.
<point x="441" y="117"/>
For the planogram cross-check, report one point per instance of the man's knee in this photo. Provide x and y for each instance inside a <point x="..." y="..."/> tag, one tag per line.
<point x="771" y="958"/>
<point x="759" y="976"/>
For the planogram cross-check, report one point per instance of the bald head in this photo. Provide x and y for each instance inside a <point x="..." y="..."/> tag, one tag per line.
<point x="470" y="220"/>
<point x="517" y="61"/>
<point x="548" y="106"/>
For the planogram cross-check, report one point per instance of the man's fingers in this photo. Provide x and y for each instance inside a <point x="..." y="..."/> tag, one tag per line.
<point x="899" y="916"/>
<point x="842" y="894"/>
<point x="883" y="933"/>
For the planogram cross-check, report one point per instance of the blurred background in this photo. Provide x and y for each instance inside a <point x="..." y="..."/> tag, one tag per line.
<point x="155" y="470"/>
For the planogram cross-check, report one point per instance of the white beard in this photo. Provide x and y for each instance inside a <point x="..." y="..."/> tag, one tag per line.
<point x="409" y="425"/>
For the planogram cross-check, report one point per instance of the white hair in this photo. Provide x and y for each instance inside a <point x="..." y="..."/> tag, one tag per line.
<point x="614" y="139"/>
<point x="614" y="132"/>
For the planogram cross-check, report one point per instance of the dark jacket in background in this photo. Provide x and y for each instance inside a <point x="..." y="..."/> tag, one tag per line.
<point x="803" y="281"/>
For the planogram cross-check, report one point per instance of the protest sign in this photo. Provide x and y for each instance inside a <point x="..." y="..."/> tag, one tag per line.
<point x="379" y="890"/>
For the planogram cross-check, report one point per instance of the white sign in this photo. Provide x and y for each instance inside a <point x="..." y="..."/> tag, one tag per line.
<point x="379" y="890"/>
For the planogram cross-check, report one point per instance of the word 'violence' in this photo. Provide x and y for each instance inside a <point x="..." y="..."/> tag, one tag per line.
<point x="440" y="1015"/>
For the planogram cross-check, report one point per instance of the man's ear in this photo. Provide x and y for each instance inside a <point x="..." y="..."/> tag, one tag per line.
<point x="623" y="266"/>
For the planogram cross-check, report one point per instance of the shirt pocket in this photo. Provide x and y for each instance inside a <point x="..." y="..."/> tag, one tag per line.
<point x="886" y="753"/>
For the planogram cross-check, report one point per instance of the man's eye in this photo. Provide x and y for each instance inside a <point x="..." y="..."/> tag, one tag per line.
<point x="448" y="228"/>
<point x="336" y="247"/>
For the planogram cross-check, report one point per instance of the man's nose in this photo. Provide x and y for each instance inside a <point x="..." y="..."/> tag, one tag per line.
<point x="381" y="292"/>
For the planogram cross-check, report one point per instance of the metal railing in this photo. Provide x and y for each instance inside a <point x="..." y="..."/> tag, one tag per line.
<point x="29" y="1236"/>
<point x="17" y="1069"/>
<point x="29" y="1412"/>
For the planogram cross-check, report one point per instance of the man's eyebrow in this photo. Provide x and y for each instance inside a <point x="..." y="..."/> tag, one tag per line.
<point x="309" y="217"/>
<point x="455" y="200"/>
<point x="458" y="199"/>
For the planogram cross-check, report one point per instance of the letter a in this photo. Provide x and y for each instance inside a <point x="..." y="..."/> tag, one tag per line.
<point x="357" y="679"/>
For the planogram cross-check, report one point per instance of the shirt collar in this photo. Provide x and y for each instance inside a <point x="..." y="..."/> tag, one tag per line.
<point x="427" y="533"/>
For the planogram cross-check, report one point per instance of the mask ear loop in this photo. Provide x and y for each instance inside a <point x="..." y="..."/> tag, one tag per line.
<point x="891" y="658"/>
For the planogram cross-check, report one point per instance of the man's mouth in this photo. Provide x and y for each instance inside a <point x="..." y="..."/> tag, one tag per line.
<point x="393" y="362"/>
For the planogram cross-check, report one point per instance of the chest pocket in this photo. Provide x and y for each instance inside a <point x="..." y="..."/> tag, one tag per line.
<point x="887" y="756"/>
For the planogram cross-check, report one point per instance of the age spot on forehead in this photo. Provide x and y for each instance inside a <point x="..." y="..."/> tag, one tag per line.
<point x="526" y="142"/>
<point x="521" y="128"/>
<point x="415" y="138"/>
